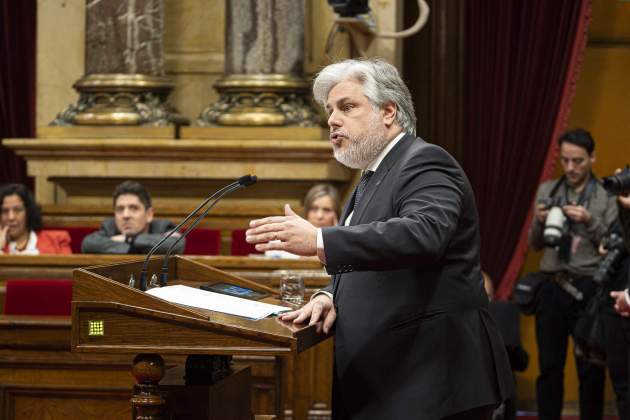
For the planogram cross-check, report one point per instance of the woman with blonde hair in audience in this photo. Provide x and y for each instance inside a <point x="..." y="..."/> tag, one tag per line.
<point x="21" y="225"/>
<point x="321" y="205"/>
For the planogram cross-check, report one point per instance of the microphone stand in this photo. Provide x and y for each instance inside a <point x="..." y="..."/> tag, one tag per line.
<point x="145" y="265"/>
<point x="164" y="272"/>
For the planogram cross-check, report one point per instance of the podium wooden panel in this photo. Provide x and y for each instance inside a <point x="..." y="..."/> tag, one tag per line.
<point x="109" y="316"/>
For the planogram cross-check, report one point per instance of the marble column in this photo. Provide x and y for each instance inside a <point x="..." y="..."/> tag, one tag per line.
<point x="124" y="82"/>
<point x="263" y="83"/>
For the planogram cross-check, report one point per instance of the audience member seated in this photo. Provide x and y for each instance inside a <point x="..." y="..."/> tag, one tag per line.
<point x="321" y="209"/>
<point x="21" y="230"/>
<point x="133" y="230"/>
<point x="321" y="205"/>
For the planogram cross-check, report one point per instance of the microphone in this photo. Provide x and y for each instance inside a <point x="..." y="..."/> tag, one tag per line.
<point x="244" y="181"/>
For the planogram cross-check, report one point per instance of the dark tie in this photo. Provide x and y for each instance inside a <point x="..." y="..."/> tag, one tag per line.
<point x="365" y="178"/>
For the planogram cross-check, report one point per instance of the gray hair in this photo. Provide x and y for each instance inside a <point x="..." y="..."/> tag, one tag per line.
<point x="381" y="84"/>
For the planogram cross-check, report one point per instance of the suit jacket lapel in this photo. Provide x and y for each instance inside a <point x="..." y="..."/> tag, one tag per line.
<point x="371" y="188"/>
<point x="347" y="208"/>
<point x="381" y="172"/>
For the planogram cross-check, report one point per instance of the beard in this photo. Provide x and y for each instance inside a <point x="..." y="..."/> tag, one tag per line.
<point x="361" y="150"/>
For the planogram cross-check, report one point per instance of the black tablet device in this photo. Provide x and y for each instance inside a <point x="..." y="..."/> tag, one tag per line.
<point x="234" y="290"/>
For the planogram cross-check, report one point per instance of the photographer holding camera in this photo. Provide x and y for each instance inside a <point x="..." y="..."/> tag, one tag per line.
<point x="617" y="324"/>
<point x="572" y="216"/>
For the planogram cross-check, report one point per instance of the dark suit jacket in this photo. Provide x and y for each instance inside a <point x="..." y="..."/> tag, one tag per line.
<point x="99" y="242"/>
<point x="413" y="336"/>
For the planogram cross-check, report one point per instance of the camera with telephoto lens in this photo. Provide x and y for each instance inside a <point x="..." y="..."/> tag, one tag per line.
<point x="618" y="183"/>
<point x="616" y="248"/>
<point x="555" y="224"/>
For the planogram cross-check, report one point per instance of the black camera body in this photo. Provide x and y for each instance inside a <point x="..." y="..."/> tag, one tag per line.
<point x="618" y="183"/>
<point x="550" y="202"/>
<point x="616" y="247"/>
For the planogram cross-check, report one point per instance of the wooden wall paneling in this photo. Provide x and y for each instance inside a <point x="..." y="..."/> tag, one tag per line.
<point x="433" y="67"/>
<point x="22" y="402"/>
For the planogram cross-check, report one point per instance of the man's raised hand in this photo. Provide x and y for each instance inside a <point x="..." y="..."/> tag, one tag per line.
<point x="295" y="234"/>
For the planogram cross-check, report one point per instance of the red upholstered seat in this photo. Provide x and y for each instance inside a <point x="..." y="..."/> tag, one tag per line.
<point x="203" y="242"/>
<point x="76" y="235"/>
<point x="38" y="297"/>
<point x="240" y="246"/>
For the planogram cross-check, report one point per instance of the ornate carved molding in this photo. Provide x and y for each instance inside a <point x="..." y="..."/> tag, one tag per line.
<point x="121" y="99"/>
<point x="261" y="100"/>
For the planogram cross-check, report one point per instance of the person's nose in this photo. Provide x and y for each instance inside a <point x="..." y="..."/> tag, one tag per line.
<point x="333" y="120"/>
<point x="126" y="213"/>
<point x="11" y="215"/>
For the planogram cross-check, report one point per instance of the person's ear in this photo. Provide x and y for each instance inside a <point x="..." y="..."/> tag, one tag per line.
<point x="388" y="113"/>
<point x="592" y="158"/>
<point x="149" y="214"/>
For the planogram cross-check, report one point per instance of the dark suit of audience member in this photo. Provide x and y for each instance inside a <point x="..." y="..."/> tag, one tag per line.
<point x="100" y="242"/>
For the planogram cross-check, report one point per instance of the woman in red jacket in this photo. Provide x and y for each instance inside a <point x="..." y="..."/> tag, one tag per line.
<point x="21" y="226"/>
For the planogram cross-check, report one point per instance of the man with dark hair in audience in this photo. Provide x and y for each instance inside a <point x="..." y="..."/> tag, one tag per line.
<point x="584" y="210"/>
<point x="133" y="230"/>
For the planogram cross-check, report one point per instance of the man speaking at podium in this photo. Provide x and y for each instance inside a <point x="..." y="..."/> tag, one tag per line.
<point x="413" y="336"/>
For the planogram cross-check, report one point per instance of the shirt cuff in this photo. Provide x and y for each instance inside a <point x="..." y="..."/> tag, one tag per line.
<point x="320" y="247"/>
<point x="323" y="292"/>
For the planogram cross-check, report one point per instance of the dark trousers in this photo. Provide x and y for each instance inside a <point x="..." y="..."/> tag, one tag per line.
<point x="618" y="360"/>
<point x="556" y="316"/>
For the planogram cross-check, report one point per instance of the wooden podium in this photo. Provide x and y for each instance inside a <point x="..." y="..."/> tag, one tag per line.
<point x="110" y="316"/>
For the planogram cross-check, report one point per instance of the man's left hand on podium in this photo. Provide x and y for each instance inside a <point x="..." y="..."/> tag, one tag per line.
<point x="319" y="311"/>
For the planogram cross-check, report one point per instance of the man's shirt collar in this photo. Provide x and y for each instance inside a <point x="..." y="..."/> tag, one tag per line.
<point x="376" y="162"/>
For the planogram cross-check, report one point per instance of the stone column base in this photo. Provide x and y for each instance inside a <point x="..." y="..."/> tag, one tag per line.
<point x="121" y="99"/>
<point x="261" y="100"/>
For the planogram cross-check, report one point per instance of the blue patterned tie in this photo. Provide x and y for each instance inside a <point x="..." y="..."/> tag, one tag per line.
<point x="365" y="178"/>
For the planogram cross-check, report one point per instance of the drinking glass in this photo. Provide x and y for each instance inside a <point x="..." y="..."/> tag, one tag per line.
<point x="291" y="288"/>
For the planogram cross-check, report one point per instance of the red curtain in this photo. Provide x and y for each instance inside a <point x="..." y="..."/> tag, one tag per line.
<point x="17" y="82"/>
<point x="522" y="61"/>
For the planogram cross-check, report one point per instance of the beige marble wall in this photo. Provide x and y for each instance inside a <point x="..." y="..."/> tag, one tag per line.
<point x="60" y="55"/>
<point x="193" y="43"/>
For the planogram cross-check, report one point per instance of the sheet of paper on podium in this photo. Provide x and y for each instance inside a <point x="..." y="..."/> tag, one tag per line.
<point x="217" y="302"/>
